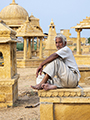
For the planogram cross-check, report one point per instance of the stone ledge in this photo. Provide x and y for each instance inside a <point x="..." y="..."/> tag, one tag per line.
<point x="84" y="67"/>
<point x="9" y="81"/>
<point x="73" y="92"/>
<point x="21" y="63"/>
<point x="65" y="100"/>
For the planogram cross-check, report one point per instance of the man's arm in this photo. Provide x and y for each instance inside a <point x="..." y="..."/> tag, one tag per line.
<point x="48" y="60"/>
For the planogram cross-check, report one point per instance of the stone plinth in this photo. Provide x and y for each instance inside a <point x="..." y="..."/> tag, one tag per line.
<point x="85" y="73"/>
<point x="65" y="104"/>
<point x="8" y="91"/>
<point x="21" y="63"/>
<point x="82" y="59"/>
<point x="86" y="49"/>
<point x="19" y="54"/>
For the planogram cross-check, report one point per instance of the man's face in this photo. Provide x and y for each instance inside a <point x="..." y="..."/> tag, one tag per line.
<point x="59" y="43"/>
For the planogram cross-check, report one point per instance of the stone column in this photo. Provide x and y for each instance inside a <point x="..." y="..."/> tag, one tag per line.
<point x="33" y="44"/>
<point x="25" y="48"/>
<point x="37" y="43"/>
<point x="29" y="48"/>
<point x="40" y="55"/>
<point x="78" y="41"/>
<point x="37" y="51"/>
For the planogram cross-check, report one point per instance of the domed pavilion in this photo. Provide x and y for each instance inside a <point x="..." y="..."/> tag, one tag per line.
<point x="35" y="22"/>
<point x="14" y="15"/>
<point x="82" y="59"/>
<point x="29" y="32"/>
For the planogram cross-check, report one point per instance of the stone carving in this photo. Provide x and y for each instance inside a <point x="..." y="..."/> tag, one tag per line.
<point x="64" y="93"/>
<point x="87" y="80"/>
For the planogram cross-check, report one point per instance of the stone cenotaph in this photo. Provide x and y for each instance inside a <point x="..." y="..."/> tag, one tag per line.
<point x="8" y="70"/>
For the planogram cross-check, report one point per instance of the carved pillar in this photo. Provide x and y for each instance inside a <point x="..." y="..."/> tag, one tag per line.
<point x="25" y="48"/>
<point x="37" y="43"/>
<point x="78" y="41"/>
<point x="37" y="51"/>
<point x="29" y="48"/>
<point x="33" y="44"/>
<point x="40" y="55"/>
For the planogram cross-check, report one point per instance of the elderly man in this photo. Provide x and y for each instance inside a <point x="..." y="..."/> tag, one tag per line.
<point x="61" y="70"/>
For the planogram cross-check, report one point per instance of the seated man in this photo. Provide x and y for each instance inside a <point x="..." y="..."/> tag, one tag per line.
<point x="61" y="64"/>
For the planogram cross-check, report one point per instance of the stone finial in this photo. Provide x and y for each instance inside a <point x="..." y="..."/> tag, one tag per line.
<point x="27" y="21"/>
<point x="13" y="3"/>
<point x="51" y="20"/>
<point x="32" y="16"/>
<point x="52" y="23"/>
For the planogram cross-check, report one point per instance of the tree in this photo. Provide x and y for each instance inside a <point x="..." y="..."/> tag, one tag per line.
<point x="89" y="40"/>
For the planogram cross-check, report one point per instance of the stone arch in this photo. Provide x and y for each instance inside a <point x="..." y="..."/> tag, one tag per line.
<point x="1" y="59"/>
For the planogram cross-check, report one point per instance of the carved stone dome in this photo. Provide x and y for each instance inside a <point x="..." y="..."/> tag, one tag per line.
<point x="13" y="14"/>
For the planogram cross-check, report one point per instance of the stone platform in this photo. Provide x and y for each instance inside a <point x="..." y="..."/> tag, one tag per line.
<point x="65" y="104"/>
<point x="33" y="63"/>
<point x="82" y="59"/>
<point x="85" y="73"/>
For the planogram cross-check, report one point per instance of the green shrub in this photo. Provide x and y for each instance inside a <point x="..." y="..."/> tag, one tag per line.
<point x="35" y="46"/>
<point x="20" y="46"/>
<point x="75" y="49"/>
<point x="89" y="40"/>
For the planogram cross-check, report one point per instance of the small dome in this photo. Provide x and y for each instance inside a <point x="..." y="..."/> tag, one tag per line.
<point x="34" y="18"/>
<point x="35" y="22"/>
<point x="13" y="14"/>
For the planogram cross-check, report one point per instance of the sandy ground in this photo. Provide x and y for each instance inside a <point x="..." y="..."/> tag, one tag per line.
<point x="27" y="97"/>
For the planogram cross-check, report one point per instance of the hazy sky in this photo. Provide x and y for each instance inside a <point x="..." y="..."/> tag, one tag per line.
<point x="65" y="13"/>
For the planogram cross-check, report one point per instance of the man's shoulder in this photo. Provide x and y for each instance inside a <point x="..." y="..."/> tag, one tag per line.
<point x="66" y="48"/>
<point x="63" y="50"/>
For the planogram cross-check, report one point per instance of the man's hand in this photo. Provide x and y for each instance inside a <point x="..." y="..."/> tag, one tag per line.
<point x="40" y="68"/>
